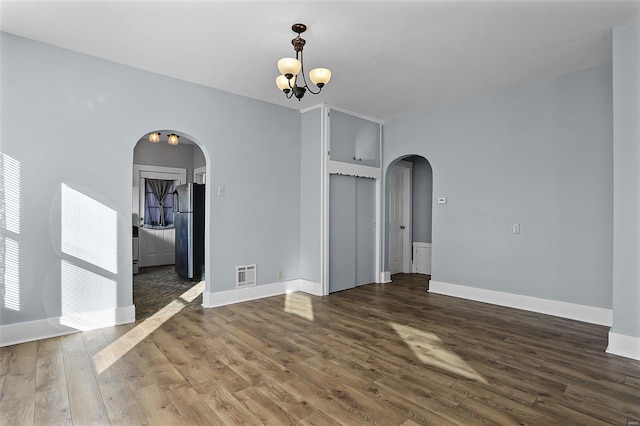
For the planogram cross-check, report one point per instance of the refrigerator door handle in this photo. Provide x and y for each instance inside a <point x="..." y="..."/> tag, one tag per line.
<point x="176" y="199"/>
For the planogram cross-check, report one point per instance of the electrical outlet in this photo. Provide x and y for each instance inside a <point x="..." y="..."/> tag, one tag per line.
<point x="516" y="228"/>
<point x="280" y="274"/>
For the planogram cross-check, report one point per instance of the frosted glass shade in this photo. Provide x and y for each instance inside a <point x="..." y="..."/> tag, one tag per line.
<point x="289" y="66"/>
<point x="320" y="76"/>
<point x="282" y="82"/>
<point x="173" y="139"/>
<point x="154" y="137"/>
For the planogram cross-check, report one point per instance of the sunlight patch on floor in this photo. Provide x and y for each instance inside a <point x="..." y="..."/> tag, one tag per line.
<point x="116" y="350"/>
<point x="299" y="304"/>
<point x="431" y="350"/>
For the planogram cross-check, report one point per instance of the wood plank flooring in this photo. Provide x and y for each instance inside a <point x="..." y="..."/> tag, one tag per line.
<point x="388" y="354"/>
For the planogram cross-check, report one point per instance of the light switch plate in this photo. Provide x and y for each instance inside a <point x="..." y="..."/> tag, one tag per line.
<point x="221" y="191"/>
<point x="442" y="200"/>
<point x="516" y="228"/>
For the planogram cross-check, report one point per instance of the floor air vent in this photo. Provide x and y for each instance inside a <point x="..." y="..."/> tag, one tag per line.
<point x="245" y="276"/>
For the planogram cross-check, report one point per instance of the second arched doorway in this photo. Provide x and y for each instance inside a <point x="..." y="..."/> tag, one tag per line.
<point x="409" y="195"/>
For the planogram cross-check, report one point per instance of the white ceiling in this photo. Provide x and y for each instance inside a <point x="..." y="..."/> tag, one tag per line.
<point x="387" y="57"/>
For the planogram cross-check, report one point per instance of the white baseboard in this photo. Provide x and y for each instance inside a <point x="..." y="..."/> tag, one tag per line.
<point x="573" y="311"/>
<point x="310" y="287"/>
<point x="623" y="345"/>
<point x="222" y="298"/>
<point x="385" y="277"/>
<point x="13" y="334"/>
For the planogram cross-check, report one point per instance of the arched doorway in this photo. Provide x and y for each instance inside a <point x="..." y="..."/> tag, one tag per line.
<point x="162" y="169"/>
<point x="409" y="197"/>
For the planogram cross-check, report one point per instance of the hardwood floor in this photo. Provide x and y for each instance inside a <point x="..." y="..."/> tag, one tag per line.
<point x="156" y="286"/>
<point x="388" y="354"/>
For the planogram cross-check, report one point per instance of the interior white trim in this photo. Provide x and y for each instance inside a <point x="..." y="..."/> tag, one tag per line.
<point x="385" y="277"/>
<point x="378" y="237"/>
<point x="200" y="170"/>
<point x="229" y="297"/>
<point x="350" y="169"/>
<point x="324" y="202"/>
<point x="311" y="108"/>
<point x="355" y="114"/>
<point x="13" y="334"/>
<point x="623" y="345"/>
<point x="309" y="287"/>
<point x="140" y="169"/>
<point x="590" y="314"/>
<point x="416" y="246"/>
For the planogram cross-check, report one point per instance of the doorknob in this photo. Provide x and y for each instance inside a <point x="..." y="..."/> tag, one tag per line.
<point x="401" y="226"/>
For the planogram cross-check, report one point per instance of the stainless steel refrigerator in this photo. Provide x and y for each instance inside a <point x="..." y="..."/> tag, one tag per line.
<point x="188" y="219"/>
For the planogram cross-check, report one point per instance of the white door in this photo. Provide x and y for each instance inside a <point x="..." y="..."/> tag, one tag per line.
<point x="157" y="247"/>
<point x="399" y="219"/>
<point x="396" y="214"/>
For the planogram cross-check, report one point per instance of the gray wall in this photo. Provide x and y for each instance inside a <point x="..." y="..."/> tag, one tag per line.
<point x="539" y="155"/>
<point x="310" y="195"/>
<point x="626" y="194"/>
<point x="184" y="156"/>
<point x="72" y="119"/>
<point x="422" y="194"/>
<point x="163" y="154"/>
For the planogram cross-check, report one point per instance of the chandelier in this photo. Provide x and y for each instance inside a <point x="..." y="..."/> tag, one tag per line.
<point x="289" y="68"/>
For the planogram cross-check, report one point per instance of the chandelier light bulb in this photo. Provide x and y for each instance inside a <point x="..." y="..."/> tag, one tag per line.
<point x="154" y="137"/>
<point x="173" y="139"/>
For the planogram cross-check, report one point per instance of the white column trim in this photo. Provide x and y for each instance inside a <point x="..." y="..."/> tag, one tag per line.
<point x="324" y="202"/>
<point x="385" y="277"/>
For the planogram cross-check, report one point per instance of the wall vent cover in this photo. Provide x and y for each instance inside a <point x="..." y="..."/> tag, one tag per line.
<point x="245" y="276"/>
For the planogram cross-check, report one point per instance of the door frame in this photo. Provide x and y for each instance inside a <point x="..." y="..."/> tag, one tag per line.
<point x="200" y="172"/>
<point x="141" y="171"/>
<point x="407" y="176"/>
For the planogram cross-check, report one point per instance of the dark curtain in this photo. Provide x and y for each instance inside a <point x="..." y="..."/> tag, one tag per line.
<point x="161" y="202"/>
